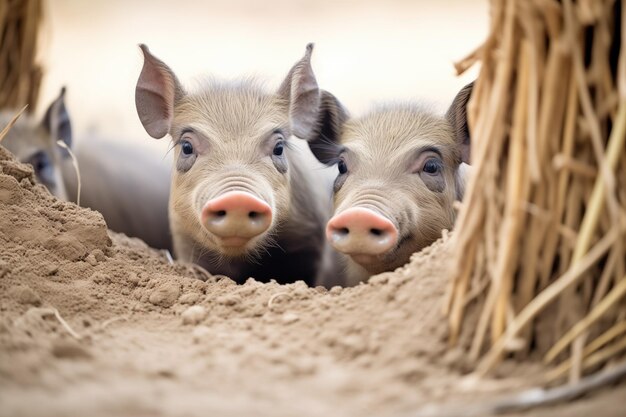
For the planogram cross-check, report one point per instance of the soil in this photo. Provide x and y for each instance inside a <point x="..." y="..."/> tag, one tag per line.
<point x="94" y="323"/>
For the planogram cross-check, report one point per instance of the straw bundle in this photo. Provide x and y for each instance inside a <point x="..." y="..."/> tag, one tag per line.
<point x="541" y="236"/>
<point x="20" y="75"/>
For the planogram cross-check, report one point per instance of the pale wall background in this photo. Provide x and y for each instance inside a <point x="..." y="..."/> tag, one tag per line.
<point x="366" y="51"/>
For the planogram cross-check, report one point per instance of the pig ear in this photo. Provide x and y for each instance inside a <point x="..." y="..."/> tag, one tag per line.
<point x="457" y="116"/>
<point x="300" y="90"/>
<point x="56" y="121"/>
<point x="156" y="93"/>
<point x="324" y="140"/>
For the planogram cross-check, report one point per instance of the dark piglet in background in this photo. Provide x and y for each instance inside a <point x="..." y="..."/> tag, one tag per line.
<point x="126" y="185"/>
<point x="245" y="200"/>
<point x="34" y="142"/>
<point x="401" y="167"/>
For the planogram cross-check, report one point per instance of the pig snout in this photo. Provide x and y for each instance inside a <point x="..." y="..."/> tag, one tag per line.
<point x="236" y="217"/>
<point x="360" y="231"/>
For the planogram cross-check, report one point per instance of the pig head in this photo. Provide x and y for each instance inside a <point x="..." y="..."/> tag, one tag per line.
<point x="398" y="176"/>
<point x="242" y="201"/>
<point x="34" y="142"/>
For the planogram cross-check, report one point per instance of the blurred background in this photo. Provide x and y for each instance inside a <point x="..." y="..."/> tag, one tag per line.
<point x="366" y="51"/>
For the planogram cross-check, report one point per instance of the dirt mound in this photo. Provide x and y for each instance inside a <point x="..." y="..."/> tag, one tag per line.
<point x="95" y="323"/>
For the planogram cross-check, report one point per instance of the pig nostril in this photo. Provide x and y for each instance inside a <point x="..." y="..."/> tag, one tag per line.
<point x="377" y="232"/>
<point x="253" y="214"/>
<point x="220" y="213"/>
<point x="343" y="231"/>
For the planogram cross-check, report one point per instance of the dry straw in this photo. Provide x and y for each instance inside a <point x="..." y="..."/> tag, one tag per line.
<point x="540" y="266"/>
<point x="20" y="75"/>
<point x="12" y="122"/>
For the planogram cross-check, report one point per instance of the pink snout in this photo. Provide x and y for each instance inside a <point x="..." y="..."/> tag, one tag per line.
<point x="360" y="231"/>
<point x="236" y="217"/>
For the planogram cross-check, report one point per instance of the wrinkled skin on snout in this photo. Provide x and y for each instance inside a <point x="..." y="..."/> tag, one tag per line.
<point x="242" y="201"/>
<point x="34" y="142"/>
<point x="398" y="176"/>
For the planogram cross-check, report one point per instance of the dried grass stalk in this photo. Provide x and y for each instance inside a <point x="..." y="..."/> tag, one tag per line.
<point x="12" y="122"/>
<point x="541" y="236"/>
<point x="20" y="74"/>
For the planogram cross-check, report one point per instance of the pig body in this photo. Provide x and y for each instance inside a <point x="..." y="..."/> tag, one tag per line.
<point x="128" y="187"/>
<point x="397" y="181"/>
<point x="244" y="199"/>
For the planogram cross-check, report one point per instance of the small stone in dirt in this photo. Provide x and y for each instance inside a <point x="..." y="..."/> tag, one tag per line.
<point x="133" y="278"/>
<point x="166" y="373"/>
<point x="91" y="260"/>
<point x="199" y="332"/>
<point x="353" y="345"/>
<point x="100" y="278"/>
<point x="335" y="290"/>
<point x="229" y="300"/>
<point x="302" y="293"/>
<point x="289" y="318"/>
<point x="194" y="315"/>
<point x="379" y="279"/>
<point x="99" y="255"/>
<point x="139" y="308"/>
<point x="165" y="294"/>
<point x="4" y="326"/>
<point x="10" y="192"/>
<point x="189" y="298"/>
<point x="4" y="268"/>
<point x="51" y="269"/>
<point x="65" y="349"/>
<point x="25" y="183"/>
<point x="25" y="295"/>
<point x="221" y="279"/>
<point x="252" y="282"/>
<point x="67" y="246"/>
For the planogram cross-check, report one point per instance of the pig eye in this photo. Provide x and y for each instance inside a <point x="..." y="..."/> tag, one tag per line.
<point x="280" y="162"/>
<point x="187" y="156"/>
<point x="186" y="147"/>
<point x="342" y="167"/>
<point x="278" y="149"/>
<point x="43" y="167"/>
<point x="432" y="166"/>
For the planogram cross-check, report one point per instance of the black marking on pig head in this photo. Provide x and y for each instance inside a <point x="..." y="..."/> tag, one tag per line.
<point x="324" y="140"/>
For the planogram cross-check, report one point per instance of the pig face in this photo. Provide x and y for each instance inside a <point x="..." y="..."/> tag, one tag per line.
<point x="34" y="143"/>
<point x="397" y="180"/>
<point x="231" y="186"/>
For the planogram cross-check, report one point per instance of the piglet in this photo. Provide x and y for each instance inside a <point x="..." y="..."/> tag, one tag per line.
<point x="245" y="200"/>
<point x="34" y="142"/>
<point x="400" y="169"/>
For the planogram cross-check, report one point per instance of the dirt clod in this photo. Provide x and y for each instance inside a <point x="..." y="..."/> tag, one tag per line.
<point x="194" y="315"/>
<point x="190" y="298"/>
<point x="290" y="318"/>
<point x="165" y="294"/>
<point x="65" y="349"/>
<point x="25" y="295"/>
